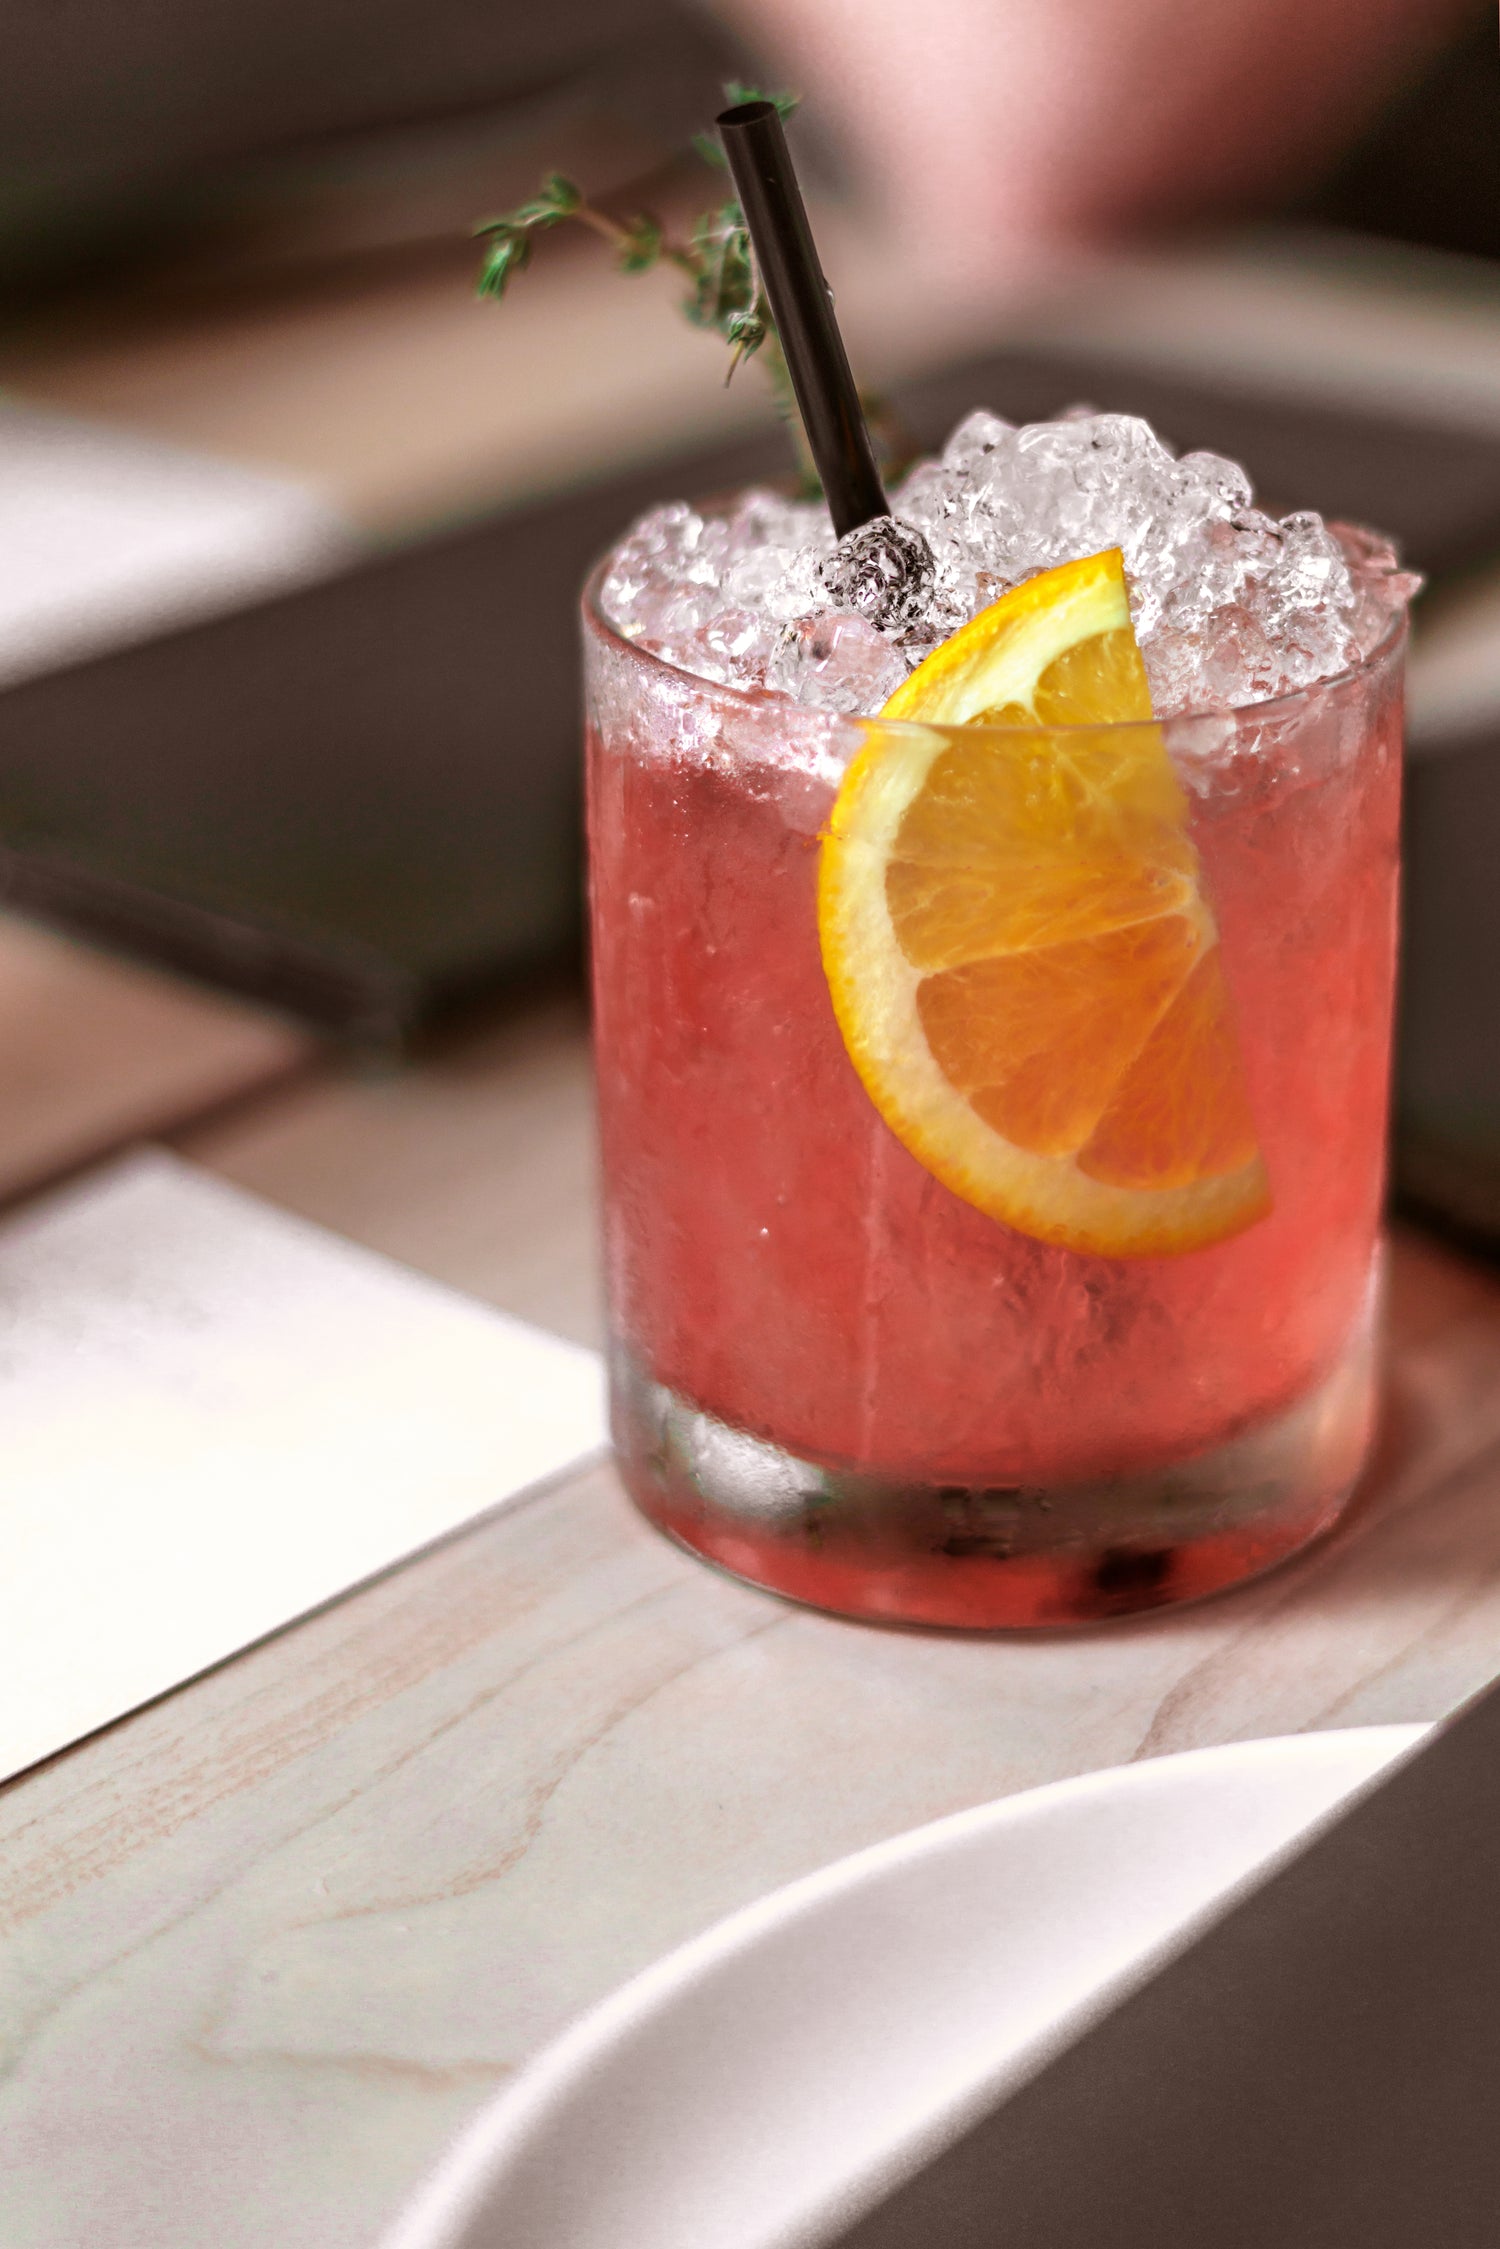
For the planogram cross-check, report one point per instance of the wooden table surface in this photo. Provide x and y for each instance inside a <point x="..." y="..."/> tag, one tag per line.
<point x="267" y="1943"/>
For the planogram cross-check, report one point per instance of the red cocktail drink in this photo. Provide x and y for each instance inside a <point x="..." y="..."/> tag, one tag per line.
<point x="837" y="1378"/>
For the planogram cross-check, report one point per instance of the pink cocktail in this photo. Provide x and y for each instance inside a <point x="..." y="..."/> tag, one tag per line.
<point x="832" y="1375"/>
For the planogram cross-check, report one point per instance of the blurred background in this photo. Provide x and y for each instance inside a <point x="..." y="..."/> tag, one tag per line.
<point x="291" y="527"/>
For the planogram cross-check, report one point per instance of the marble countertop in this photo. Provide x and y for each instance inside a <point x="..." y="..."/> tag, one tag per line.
<point x="266" y="1944"/>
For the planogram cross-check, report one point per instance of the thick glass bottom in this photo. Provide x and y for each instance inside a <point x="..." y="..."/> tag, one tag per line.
<point x="984" y="1557"/>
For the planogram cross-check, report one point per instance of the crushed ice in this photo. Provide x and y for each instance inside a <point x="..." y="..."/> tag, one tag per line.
<point x="1230" y="605"/>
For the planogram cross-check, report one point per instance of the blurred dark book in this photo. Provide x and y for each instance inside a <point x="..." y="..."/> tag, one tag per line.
<point x="307" y="131"/>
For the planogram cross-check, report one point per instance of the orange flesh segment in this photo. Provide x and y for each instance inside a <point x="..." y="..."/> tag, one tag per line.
<point x="1181" y="1111"/>
<point x="1022" y="959"/>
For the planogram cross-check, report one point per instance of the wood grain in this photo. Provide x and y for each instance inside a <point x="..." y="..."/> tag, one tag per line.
<point x="268" y="1942"/>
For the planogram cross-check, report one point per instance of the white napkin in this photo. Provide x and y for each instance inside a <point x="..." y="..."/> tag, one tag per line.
<point x="107" y="537"/>
<point x="214" y="1417"/>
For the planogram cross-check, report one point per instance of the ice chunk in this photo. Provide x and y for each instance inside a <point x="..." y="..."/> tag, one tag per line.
<point x="782" y="582"/>
<point x="837" y="662"/>
<point x="884" y="572"/>
<point x="1230" y="606"/>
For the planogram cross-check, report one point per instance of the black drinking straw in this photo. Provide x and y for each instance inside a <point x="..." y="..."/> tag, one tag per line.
<point x="801" y="303"/>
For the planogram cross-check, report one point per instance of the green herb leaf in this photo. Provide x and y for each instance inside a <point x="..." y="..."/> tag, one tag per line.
<point x="725" y="277"/>
<point x="556" y="198"/>
<point x="723" y="287"/>
<point x="508" y="254"/>
<point x="564" y="197"/>
<point x="641" y="247"/>
<point x="746" y="331"/>
<point x="510" y="249"/>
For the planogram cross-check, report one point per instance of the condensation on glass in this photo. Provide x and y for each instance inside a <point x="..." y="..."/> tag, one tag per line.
<point x="833" y="1377"/>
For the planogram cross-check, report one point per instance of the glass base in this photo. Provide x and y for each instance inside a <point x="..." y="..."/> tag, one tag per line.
<point x="984" y="1557"/>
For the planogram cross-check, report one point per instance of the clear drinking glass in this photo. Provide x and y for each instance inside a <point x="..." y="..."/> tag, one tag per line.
<point x="833" y="1377"/>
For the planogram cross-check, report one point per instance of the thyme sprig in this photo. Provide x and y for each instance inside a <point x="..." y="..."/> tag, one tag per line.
<point x="723" y="294"/>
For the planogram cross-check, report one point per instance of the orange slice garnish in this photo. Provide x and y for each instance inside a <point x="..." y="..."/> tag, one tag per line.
<point x="1023" y="962"/>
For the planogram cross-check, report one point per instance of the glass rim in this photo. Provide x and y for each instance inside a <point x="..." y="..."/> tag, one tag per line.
<point x="762" y="700"/>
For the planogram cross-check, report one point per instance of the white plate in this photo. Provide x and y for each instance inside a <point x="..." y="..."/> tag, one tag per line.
<point x="780" y="2069"/>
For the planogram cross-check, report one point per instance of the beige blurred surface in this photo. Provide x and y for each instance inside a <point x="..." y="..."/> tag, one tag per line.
<point x="401" y="401"/>
<point x="395" y="394"/>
